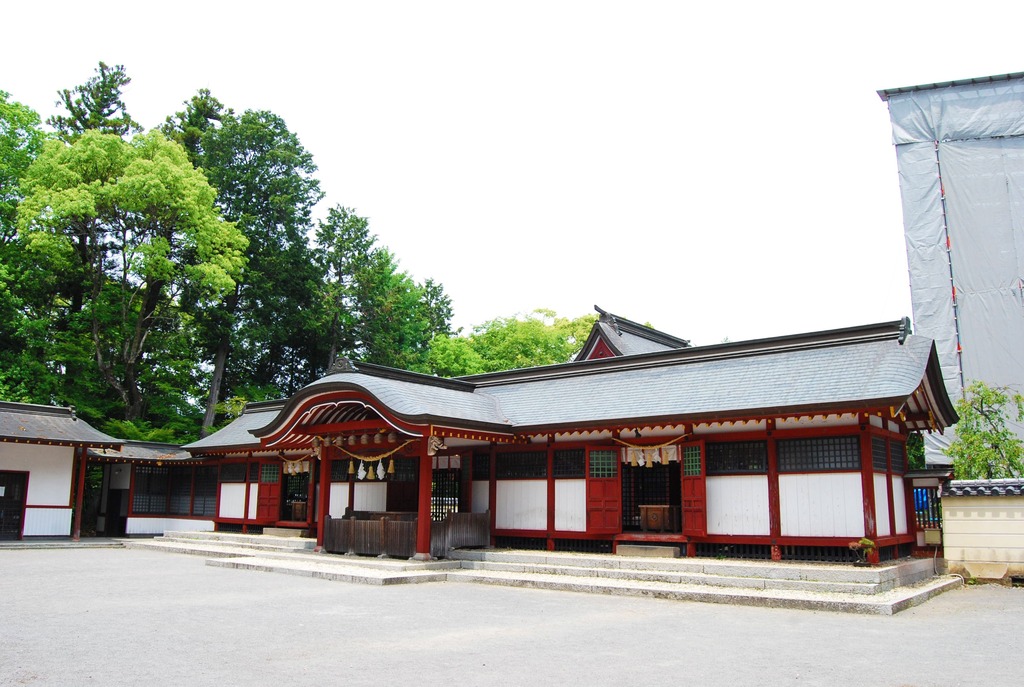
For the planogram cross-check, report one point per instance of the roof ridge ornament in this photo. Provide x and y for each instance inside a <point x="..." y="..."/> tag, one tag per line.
<point x="341" y="364"/>
<point x="905" y="330"/>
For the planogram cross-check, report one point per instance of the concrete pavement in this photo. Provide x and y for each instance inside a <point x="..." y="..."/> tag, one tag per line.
<point x="129" y="617"/>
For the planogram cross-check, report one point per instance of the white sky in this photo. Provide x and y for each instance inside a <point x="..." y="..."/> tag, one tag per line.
<point x="718" y="171"/>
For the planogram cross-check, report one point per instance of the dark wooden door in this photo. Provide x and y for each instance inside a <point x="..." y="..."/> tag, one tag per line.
<point x="604" y="492"/>
<point x="694" y="490"/>
<point x="13" y="486"/>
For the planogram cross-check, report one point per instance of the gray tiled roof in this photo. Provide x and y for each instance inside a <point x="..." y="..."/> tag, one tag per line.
<point x="414" y="397"/>
<point x="985" y="487"/>
<point x="239" y="432"/>
<point x="42" y="424"/>
<point x="801" y="378"/>
<point x="840" y="369"/>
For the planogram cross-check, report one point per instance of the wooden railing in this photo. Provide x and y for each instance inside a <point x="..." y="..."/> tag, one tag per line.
<point x="379" y="533"/>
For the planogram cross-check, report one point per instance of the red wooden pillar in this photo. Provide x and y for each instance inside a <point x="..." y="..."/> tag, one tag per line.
<point x="492" y="489"/>
<point x="551" y="493"/>
<point x="867" y="480"/>
<point x="83" y="459"/>
<point x="774" y="502"/>
<point x="324" y="506"/>
<point x="423" y="512"/>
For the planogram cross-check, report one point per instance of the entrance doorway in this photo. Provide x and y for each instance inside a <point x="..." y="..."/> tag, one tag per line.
<point x="654" y="485"/>
<point x="13" y="486"/>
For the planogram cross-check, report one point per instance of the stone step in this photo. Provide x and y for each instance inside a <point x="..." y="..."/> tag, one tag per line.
<point x="675" y="577"/>
<point x="883" y="603"/>
<point x="201" y="548"/>
<point x="237" y="539"/>
<point x="883" y="577"/>
<point x="335" y="571"/>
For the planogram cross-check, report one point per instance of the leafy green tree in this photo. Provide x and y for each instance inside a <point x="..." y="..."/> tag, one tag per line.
<point x="985" y="448"/>
<point x="126" y="228"/>
<point x="21" y="139"/>
<point x="261" y="334"/>
<point x="538" y="338"/>
<point x="22" y="378"/>
<point x="374" y="311"/>
<point x="96" y="105"/>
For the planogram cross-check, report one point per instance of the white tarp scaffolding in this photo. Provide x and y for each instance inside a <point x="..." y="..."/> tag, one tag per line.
<point x="960" y="155"/>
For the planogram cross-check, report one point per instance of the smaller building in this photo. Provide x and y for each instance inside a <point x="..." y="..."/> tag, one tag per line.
<point x="42" y="469"/>
<point x="983" y="528"/>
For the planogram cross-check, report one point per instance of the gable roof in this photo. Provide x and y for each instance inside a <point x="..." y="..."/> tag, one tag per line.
<point x="625" y="337"/>
<point x="39" y="424"/>
<point x="876" y="366"/>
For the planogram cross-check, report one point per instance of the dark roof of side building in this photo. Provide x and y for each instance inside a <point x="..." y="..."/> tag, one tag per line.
<point x="39" y="424"/>
<point x="985" y="487"/>
<point x="872" y="366"/>
<point x="142" y="452"/>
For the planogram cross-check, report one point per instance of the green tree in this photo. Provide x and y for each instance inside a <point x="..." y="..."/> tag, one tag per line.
<point x="538" y="338"/>
<point x="985" y="448"/>
<point x="374" y="311"/>
<point x="22" y="378"/>
<point x="261" y="334"/>
<point x="125" y="228"/>
<point x="96" y="105"/>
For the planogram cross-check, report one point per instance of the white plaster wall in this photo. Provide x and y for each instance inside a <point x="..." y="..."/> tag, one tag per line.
<point x="983" y="536"/>
<point x="521" y="505"/>
<point x="232" y="500"/>
<point x="49" y="468"/>
<point x="140" y="525"/>
<point x="821" y="505"/>
<point x="254" y="495"/>
<point x="370" y="496"/>
<point x="571" y="505"/>
<point x="738" y="504"/>
<point x="881" y="505"/>
<point x="47" y="522"/>
<point x="899" y="504"/>
<point x="481" y="496"/>
<point x="339" y="500"/>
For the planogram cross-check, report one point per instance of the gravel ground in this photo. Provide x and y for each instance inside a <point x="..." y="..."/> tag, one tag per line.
<point x="133" y="617"/>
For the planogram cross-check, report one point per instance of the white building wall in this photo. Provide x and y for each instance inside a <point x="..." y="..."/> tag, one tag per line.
<point x="232" y="500"/>
<point x="571" y="505"/>
<point x="821" y="505"/>
<point x="521" y="505"/>
<point x="339" y="500"/>
<point x="50" y="471"/>
<point x="481" y="495"/>
<point x="254" y="495"/>
<point x="738" y="505"/>
<point x="370" y="496"/>
<point x="881" y="505"/>
<point x="47" y="522"/>
<point x="899" y="504"/>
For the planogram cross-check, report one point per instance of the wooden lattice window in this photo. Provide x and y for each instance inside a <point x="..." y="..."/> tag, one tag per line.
<point x="204" y="499"/>
<point x="482" y="466"/>
<point x="270" y="473"/>
<point x="736" y="458"/>
<point x="818" y="454"/>
<point x="180" y="491"/>
<point x="232" y="472"/>
<point x="570" y="464"/>
<point x="898" y="454"/>
<point x="879" y="454"/>
<point x="150" y="490"/>
<point x="522" y="465"/>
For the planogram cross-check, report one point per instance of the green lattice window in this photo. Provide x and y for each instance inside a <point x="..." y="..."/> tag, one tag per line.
<point x="269" y="473"/>
<point x="691" y="461"/>
<point x="604" y="463"/>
